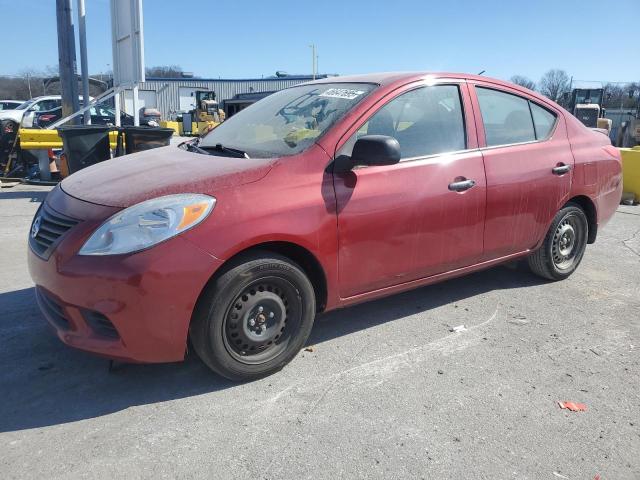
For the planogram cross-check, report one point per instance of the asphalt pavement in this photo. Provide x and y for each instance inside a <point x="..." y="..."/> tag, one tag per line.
<point x="387" y="391"/>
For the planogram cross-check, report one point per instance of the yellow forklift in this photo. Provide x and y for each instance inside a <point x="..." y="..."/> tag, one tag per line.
<point x="207" y="109"/>
<point x="205" y="117"/>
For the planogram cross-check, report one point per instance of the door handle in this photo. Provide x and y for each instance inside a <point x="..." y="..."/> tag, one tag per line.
<point x="561" y="169"/>
<point x="462" y="185"/>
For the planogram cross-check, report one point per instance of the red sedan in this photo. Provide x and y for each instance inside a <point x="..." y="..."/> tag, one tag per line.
<point x="316" y="197"/>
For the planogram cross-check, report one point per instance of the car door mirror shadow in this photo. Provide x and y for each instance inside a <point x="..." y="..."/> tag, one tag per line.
<point x="328" y="192"/>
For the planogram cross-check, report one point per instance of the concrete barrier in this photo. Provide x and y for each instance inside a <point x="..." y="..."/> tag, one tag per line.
<point x="631" y="171"/>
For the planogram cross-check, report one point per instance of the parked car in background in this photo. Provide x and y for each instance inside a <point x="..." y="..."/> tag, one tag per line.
<point x="25" y="113"/>
<point x="10" y="104"/>
<point x="100" y="115"/>
<point x="316" y="197"/>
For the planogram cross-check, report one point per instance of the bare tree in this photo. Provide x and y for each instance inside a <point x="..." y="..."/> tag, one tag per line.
<point x="554" y="83"/>
<point x="621" y="95"/>
<point x="164" y="71"/>
<point x="523" y="82"/>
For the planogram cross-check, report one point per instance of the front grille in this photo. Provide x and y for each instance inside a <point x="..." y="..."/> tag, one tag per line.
<point x="52" y="309"/>
<point x="47" y="228"/>
<point x="100" y="324"/>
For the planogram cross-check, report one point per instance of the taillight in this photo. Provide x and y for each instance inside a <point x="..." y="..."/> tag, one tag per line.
<point x="46" y="118"/>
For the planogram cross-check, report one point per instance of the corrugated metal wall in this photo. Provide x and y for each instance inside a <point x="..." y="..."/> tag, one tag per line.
<point x="168" y="96"/>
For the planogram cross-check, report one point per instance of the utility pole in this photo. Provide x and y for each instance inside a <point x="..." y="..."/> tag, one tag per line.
<point x="313" y="60"/>
<point x="67" y="58"/>
<point x="84" y="65"/>
<point x="29" y="85"/>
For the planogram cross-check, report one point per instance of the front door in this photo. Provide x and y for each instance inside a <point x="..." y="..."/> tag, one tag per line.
<point x="424" y="215"/>
<point x="529" y="164"/>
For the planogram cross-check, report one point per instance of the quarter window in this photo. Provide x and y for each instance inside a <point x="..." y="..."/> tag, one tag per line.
<point x="506" y="117"/>
<point x="543" y="120"/>
<point x="425" y="121"/>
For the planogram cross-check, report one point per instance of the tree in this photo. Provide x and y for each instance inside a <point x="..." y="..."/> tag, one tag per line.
<point x="523" y="82"/>
<point x="554" y="83"/>
<point x="164" y="71"/>
<point x="621" y="95"/>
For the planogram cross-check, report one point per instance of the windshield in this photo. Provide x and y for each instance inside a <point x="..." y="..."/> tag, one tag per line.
<point x="25" y="105"/>
<point x="289" y="121"/>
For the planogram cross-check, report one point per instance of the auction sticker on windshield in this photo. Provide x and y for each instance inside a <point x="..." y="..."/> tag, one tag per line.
<point x="345" y="93"/>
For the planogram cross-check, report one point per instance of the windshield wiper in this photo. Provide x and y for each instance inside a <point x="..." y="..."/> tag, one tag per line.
<point x="193" y="147"/>
<point x="234" y="151"/>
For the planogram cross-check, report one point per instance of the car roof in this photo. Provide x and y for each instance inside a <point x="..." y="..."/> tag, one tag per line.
<point x="43" y="97"/>
<point x="387" y="78"/>
<point x="400" y="78"/>
<point x="52" y="97"/>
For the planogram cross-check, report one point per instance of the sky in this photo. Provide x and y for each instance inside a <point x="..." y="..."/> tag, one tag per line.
<point x="590" y="39"/>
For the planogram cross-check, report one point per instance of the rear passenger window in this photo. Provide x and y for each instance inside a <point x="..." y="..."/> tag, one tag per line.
<point x="543" y="120"/>
<point x="506" y="117"/>
<point x="425" y="121"/>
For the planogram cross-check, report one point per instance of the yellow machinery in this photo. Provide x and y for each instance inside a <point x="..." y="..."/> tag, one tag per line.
<point x="207" y="108"/>
<point x="197" y="128"/>
<point x="206" y="116"/>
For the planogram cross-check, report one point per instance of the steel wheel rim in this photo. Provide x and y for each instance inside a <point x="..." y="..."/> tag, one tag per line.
<point x="261" y="321"/>
<point x="567" y="241"/>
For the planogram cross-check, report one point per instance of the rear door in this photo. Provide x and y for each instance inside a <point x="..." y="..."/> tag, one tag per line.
<point x="402" y="222"/>
<point x="529" y="167"/>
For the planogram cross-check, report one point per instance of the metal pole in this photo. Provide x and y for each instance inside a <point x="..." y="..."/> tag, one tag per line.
<point x="136" y="113"/>
<point x="67" y="57"/>
<point x="84" y="66"/>
<point x="313" y="61"/>
<point x="29" y="85"/>
<point x="116" y="105"/>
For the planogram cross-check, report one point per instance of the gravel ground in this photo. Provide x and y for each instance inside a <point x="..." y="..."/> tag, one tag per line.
<point x="386" y="392"/>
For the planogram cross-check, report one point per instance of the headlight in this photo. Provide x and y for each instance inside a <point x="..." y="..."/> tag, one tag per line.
<point x="148" y="223"/>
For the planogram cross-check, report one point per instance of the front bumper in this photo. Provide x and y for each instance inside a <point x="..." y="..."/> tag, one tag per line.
<point x="129" y="307"/>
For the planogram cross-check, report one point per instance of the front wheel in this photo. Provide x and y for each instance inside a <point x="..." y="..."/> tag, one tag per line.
<point x="563" y="246"/>
<point x="254" y="318"/>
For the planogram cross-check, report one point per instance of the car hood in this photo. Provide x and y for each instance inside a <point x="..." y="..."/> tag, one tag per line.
<point x="15" y="115"/>
<point x="125" y="181"/>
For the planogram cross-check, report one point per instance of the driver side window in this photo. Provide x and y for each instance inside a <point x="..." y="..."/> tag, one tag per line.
<point x="425" y="121"/>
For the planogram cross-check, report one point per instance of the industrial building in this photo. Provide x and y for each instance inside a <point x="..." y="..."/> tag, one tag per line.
<point x="173" y="95"/>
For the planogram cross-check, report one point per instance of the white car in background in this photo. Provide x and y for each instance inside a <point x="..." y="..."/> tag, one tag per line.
<point x="10" y="104"/>
<point x="25" y="112"/>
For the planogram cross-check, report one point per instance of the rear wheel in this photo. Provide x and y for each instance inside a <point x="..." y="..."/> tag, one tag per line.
<point x="254" y="318"/>
<point x="563" y="246"/>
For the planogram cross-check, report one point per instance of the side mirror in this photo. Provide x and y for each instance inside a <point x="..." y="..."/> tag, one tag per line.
<point x="370" y="150"/>
<point x="374" y="150"/>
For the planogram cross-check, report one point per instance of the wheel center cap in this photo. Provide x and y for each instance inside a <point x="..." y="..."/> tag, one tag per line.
<point x="565" y="241"/>
<point x="264" y="318"/>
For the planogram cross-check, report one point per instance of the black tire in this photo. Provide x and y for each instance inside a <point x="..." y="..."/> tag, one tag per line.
<point x="563" y="246"/>
<point x="254" y="318"/>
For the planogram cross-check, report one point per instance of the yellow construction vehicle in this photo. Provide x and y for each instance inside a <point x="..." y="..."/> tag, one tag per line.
<point x="206" y="116"/>
<point x="207" y="109"/>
